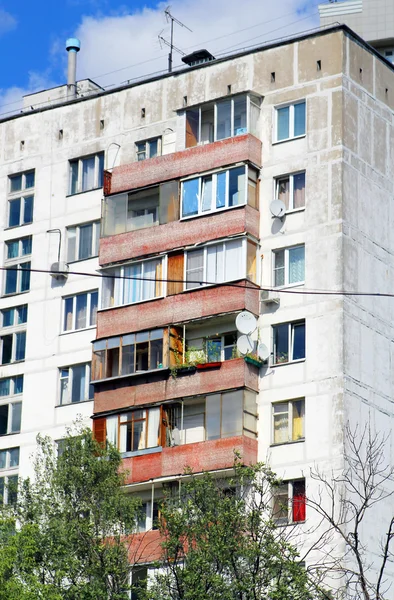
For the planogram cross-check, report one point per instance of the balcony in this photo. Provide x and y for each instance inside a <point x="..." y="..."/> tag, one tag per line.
<point x="160" y="387"/>
<point x="182" y="307"/>
<point x="201" y="456"/>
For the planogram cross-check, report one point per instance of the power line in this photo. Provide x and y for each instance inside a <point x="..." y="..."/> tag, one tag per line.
<point x="303" y="292"/>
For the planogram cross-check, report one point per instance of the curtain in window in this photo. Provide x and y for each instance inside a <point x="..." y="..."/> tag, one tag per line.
<point x="283" y="191"/>
<point x="139" y="442"/>
<point x="148" y="287"/>
<point x="299" y="501"/>
<point x="71" y="243"/>
<point x="64" y="386"/>
<point x="215" y="263"/>
<point x="283" y="123"/>
<point x="68" y="314"/>
<point x="279" y="268"/>
<point x="153" y="427"/>
<point x="88" y="173"/>
<point x="113" y="289"/>
<point x="20" y="346"/>
<point x="281" y="423"/>
<point x="133" y="286"/>
<point x="93" y="308"/>
<point x="221" y="189"/>
<point x="78" y="383"/>
<point x="299" y="119"/>
<point x="123" y="434"/>
<point x="234" y="261"/>
<point x="81" y="308"/>
<point x="194" y="268"/>
<point x="206" y="193"/>
<point x="299" y="190"/>
<point x="190" y="191"/>
<point x="12" y="249"/>
<point x="85" y="241"/>
<point x="296" y="264"/>
<point x="112" y="430"/>
<point x="298" y="419"/>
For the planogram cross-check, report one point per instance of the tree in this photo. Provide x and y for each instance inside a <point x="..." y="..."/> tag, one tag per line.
<point x="220" y="542"/>
<point x="351" y="504"/>
<point x="66" y="536"/>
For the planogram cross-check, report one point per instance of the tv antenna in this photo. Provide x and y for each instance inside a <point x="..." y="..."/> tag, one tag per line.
<point x="170" y="43"/>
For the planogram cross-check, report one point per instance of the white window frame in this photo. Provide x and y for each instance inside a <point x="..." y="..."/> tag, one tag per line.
<point x="214" y="175"/>
<point x="290" y="496"/>
<point x="290" y="416"/>
<point x="290" y="177"/>
<point x="18" y="265"/>
<point x="95" y="240"/>
<point x="290" y="349"/>
<point x="120" y="272"/>
<point x="20" y="249"/>
<point x="291" y="106"/>
<point x="147" y="144"/>
<point x="11" y="405"/>
<point x="7" y="452"/>
<point x="79" y="160"/>
<point x="222" y="344"/>
<point x="13" y="345"/>
<point x="286" y="266"/>
<point x="12" y="388"/>
<point x="4" y="499"/>
<point x="205" y="251"/>
<point x="69" y="379"/>
<point x="74" y="297"/>
<point x="21" y="195"/>
<point x="14" y="323"/>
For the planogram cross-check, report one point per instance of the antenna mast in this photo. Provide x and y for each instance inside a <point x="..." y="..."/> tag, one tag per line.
<point x="173" y="20"/>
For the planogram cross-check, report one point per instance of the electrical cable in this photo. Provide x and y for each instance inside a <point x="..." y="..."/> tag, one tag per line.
<point x="253" y="286"/>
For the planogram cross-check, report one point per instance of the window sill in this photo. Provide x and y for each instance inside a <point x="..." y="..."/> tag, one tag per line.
<point x="297" y="137"/>
<point x="289" y="443"/>
<point x="77" y="330"/>
<point x="290" y="362"/>
<point x="14" y="362"/>
<point x="295" y="210"/>
<point x="130" y="303"/>
<point x="11" y="294"/>
<point x="288" y="523"/>
<point x="289" y="286"/>
<point x="153" y="450"/>
<point x="12" y="227"/>
<point x="11" y="433"/>
<point x="84" y="192"/>
<point x="74" y="403"/>
<point x="137" y="374"/>
<point x="209" y="213"/>
<point x="78" y="260"/>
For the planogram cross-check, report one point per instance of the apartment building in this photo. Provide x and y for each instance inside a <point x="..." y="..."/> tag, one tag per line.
<point x="178" y="172"/>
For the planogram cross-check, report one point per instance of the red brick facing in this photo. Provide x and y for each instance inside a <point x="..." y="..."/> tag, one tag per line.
<point x="177" y="234"/>
<point x="234" y="373"/>
<point x="187" y="162"/>
<point x="190" y="305"/>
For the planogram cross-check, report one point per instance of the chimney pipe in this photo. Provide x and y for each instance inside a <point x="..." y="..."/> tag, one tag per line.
<point x="73" y="45"/>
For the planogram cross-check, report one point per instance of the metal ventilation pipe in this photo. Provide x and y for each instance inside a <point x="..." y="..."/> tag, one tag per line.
<point x="73" y="45"/>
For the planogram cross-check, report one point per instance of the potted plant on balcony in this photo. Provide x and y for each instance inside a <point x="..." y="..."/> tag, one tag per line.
<point x="253" y="359"/>
<point x="211" y="357"/>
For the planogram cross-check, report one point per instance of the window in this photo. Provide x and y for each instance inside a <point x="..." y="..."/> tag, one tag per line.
<point x="20" y="199"/>
<point x="11" y="317"/>
<point x="12" y="347"/>
<point x="8" y="489"/>
<point x="216" y="263"/>
<point x="135" y="430"/>
<point x="83" y="241"/>
<point x="289" y="266"/>
<point x="17" y="276"/>
<point x="9" y="458"/>
<point x="143" y="209"/>
<point x="220" y="348"/>
<point x="289" y="502"/>
<point x="10" y="418"/>
<point x="128" y="354"/>
<point x="288" y="421"/>
<point x="80" y="311"/>
<point x="139" y="577"/>
<point x="86" y="173"/>
<point x="11" y="386"/>
<point x="18" y="248"/>
<point x="75" y="384"/>
<point x="222" y="119"/>
<point x="291" y="191"/>
<point x="290" y="121"/>
<point x="148" y="148"/>
<point x="147" y="518"/>
<point x="140" y="281"/>
<point x="217" y="191"/>
<point x="289" y="342"/>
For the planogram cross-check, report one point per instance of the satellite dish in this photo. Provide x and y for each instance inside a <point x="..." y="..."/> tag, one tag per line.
<point x="246" y="322"/>
<point x="263" y="352"/>
<point x="278" y="209"/>
<point x="244" y="344"/>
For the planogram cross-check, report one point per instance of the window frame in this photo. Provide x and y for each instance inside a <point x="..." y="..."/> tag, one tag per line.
<point x="69" y="378"/>
<point x="14" y="335"/>
<point x="88" y="324"/>
<point x="21" y="194"/>
<point x="12" y="387"/>
<point x="290" y="351"/>
<point x="291" y="123"/>
<point x="290" y="520"/>
<point x="19" y="277"/>
<point x="95" y="240"/>
<point x="223" y="346"/>
<point x="290" y="177"/>
<point x="14" y="317"/>
<point x="98" y="178"/>
<point x="5" y="500"/>
<point x="8" y="466"/>
<point x="146" y="151"/>
<point x="10" y="416"/>
<point x="286" y="267"/>
<point x="290" y="421"/>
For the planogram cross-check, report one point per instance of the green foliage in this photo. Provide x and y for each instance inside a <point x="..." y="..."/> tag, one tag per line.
<point x="220" y="543"/>
<point x="72" y="519"/>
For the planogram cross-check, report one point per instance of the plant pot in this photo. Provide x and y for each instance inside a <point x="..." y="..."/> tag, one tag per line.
<point x="253" y="361"/>
<point x="187" y="370"/>
<point x="211" y="365"/>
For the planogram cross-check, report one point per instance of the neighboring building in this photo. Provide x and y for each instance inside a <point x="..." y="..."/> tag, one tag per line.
<point x="373" y="20"/>
<point x="193" y="160"/>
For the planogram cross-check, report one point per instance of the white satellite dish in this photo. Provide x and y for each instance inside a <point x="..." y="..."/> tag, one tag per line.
<point x="246" y="322"/>
<point x="278" y="209"/>
<point x="244" y="344"/>
<point x="263" y="352"/>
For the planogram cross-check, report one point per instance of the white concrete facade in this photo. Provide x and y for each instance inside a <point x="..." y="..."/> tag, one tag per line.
<point x="346" y="227"/>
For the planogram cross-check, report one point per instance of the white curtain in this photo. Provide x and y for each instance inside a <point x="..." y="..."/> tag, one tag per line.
<point x="148" y="287"/>
<point x="132" y="286"/>
<point x="296" y="264"/>
<point x="235" y="263"/>
<point x="123" y="433"/>
<point x="215" y="262"/>
<point x="153" y="427"/>
<point x="112" y="430"/>
<point x="88" y="173"/>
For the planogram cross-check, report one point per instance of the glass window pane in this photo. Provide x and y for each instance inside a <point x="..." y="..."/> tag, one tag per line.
<point x="194" y="268"/>
<point x="190" y="191"/>
<point x="15" y="212"/>
<point x="299" y="190"/>
<point x="215" y="263"/>
<point x="15" y="183"/>
<point x="132" y="284"/>
<point x="281" y="423"/>
<point x="100" y="178"/>
<point x="297" y="264"/>
<point x="12" y="249"/>
<point x="20" y="346"/>
<point x="6" y="349"/>
<point x="5" y="387"/>
<point x="156" y="354"/>
<point x="149" y="277"/>
<point x="153" y="148"/>
<point x="16" y="417"/>
<point x="281" y="343"/>
<point x="10" y="281"/>
<point x="298" y="341"/>
<point x="223" y="116"/>
<point x="207" y="124"/>
<point x="192" y="123"/>
<point x="283" y="191"/>
<point x="71" y="243"/>
<point x="232" y="412"/>
<point x="214" y="350"/>
<point x="240" y="116"/>
<point x="93" y="308"/>
<point x="221" y="189"/>
<point x="78" y="383"/>
<point x="14" y="457"/>
<point x="127" y="359"/>
<point x="74" y="177"/>
<point x="68" y="314"/>
<point x="279" y="268"/>
<point x="236" y="186"/>
<point x="21" y="314"/>
<point x="8" y="317"/>
<point x="3" y="459"/>
<point x="298" y="419"/>
<point x="85" y="241"/>
<point x="234" y="258"/>
<point x="28" y="211"/>
<point x="283" y="131"/>
<point x="81" y="307"/>
<point x="213" y="417"/>
<point x="25" y="278"/>
<point x="299" y="119"/>
<point x="26" y="245"/>
<point x="29" y="180"/>
<point x="18" y="384"/>
<point x="88" y="165"/>
<point x="4" y="409"/>
<point x="206" y="193"/>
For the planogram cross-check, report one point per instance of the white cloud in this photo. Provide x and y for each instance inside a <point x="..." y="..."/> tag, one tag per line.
<point x="11" y="99"/>
<point x="7" y="21"/>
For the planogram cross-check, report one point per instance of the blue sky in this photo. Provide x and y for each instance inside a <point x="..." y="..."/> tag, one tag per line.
<point x="119" y="38"/>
